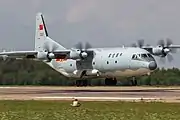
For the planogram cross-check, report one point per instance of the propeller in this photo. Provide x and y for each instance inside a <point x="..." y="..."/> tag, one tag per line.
<point x="140" y="43"/>
<point x="83" y="50"/>
<point x="166" y="50"/>
<point x="50" y="47"/>
<point x="169" y="58"/>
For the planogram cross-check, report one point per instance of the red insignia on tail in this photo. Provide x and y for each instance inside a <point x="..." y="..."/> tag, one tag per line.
<point x="41" y="27"/>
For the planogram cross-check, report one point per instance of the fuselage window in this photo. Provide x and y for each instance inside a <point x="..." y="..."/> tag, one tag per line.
<point x="115" y="61"/>
<point x="93" y="63"/>
<point x="113" y="55"/>
<point x="107" y="62"/>
<point x="117" y="54"/>
<point x="120" y="54"/>
<point x="109" y="55"/>
<point x="70" y="64"/>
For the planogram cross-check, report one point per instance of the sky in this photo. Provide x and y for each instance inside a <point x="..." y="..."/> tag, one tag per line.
<point x="103" y="23"/>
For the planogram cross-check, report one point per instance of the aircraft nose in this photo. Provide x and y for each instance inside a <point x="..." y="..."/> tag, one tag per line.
<point x="152" y="65"/>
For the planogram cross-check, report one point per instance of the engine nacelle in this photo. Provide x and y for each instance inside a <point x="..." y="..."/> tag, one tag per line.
<point x="42" y="55"/>
<point x="51" y="56"/>
<point x="45" y="56"/>
<point x="74" y="55"/>
<point x="93" y="72"/>
<point x="77" y="54"/>
<point x="157" y="51"/>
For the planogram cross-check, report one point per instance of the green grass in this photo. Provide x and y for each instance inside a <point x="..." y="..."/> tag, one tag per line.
<point x="58" y="110"/>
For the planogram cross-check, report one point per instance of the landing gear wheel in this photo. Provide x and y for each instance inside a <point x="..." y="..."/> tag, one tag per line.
<point x="134" y="81"/>
<point x="110" y="82"/>
<point x="80" y="83"/>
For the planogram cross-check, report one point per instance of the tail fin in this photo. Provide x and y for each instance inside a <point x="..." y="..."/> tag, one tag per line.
<point x="42" y="41"/>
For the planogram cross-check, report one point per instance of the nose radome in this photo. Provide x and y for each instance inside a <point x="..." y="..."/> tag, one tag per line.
<point x="152" y="65"/>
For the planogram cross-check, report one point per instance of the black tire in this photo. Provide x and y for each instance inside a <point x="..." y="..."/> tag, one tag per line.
<point x="110" y="82"/>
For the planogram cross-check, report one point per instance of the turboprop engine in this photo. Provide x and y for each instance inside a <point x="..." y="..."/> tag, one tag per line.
<point x="45" y="56"/>
<point x="159" y="50"/>
<point x="79" y="52"/>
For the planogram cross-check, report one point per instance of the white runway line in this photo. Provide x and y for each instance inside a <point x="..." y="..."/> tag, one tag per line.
<point x="99" y="98"/>
<point x="8" y="87"/>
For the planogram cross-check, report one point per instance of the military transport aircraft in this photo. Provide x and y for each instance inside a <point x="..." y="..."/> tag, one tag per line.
<point x="86" y="62"/>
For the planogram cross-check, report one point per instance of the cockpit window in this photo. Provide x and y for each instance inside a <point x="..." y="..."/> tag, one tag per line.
<point x="144" y="55"/>
<point x="150" y="55"/>
<point x="134" y="56"/>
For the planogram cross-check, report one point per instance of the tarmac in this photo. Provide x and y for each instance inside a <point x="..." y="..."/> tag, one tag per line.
<point x="160" y="94"/>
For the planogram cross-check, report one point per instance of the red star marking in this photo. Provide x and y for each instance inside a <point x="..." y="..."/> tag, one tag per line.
<point x="41" y="27"/>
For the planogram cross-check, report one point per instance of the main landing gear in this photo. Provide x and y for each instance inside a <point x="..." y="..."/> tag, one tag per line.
<point x="110" y="81"/>
<point x="81" y="83"/>
<point x="133" y="81"/>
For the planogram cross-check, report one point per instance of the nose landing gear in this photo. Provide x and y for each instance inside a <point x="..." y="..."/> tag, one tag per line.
<point x="110" y="81"/>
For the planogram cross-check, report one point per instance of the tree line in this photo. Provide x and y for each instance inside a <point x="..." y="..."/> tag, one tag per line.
<point x="29" y="72"/>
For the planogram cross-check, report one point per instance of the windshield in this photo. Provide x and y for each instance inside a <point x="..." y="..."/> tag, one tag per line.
<point x="144" y="56"/>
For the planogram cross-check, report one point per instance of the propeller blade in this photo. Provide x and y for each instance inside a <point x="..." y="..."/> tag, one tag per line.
<point x="161" y="42"/>
<point x="79" y="46"/>
<point x="55" y="47"/>
<point x="168" y="42"/>
<point x="148" y="45"/>
<point x="173" y="50"/>
<point x="133" y="45"/>
<point x="162" y="59"/>
<point x="141" y="43"/>
<point x="170" y="57"/>
<point x="87" y="46"/>
<point x="46" y="47"/>
<point x="50" y="47"/>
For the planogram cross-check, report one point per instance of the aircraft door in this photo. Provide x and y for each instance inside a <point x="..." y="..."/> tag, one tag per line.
<point x="97" y="62"/>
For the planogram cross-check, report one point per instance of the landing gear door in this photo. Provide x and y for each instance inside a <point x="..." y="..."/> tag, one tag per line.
<point x="97" y="61"/>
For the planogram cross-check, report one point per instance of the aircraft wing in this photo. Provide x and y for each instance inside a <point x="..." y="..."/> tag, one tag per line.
<point x="29" y="54"/>
<point x="170" y="46"/>
<point x="174" y="46"/>
<point x="18" y="54"/>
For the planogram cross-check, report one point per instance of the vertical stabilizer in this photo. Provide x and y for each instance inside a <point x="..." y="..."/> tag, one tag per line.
<point x="42" y="41"/>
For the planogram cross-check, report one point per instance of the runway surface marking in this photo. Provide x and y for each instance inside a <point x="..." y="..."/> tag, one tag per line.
<point x="90" y="93"/>
<point x="98" y="98"/>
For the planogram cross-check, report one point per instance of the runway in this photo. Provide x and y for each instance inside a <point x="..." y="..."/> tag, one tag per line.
<point x="165" y="94"/>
